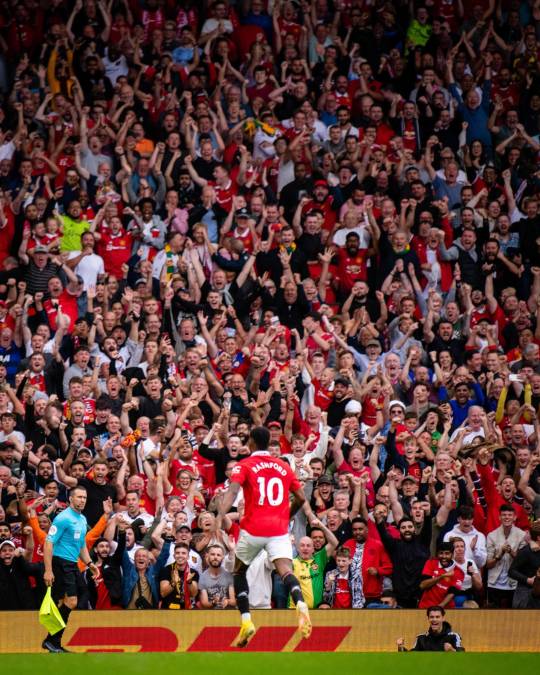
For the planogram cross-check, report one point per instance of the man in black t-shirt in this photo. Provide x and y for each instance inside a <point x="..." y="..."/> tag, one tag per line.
<point x="178" y="582"/>
<point x="97" y="488"/>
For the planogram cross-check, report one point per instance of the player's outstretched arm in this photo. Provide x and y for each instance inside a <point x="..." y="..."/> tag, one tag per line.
<point x="299" y="499"/>
<point x="228" y="499"/>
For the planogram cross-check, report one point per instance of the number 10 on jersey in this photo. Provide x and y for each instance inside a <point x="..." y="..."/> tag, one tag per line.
<point x="271" y="493"/>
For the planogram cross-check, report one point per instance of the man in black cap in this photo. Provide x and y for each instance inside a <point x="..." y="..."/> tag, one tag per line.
<point x="321" y="499"/>
<point x="342" y="396"/>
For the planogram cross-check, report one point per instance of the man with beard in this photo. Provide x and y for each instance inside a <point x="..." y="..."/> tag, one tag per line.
<point x="441" y="579"/>
<point x="361" y="298"/>
<point x="216" y="584"/>
<point x="397" y="248"/>
<point x="177" y="581"/>
<point x="408" y="554"/>
<point x="443" y="340"/>
<point x="322" y="201"/>
<point x="505" y="272"/>
<point x="351" y="264"/>
<point x="370" y="563"/>
<point x="105" y="587"/>
<point x="43" y="474"/>
<point x="97" y="488"/>
<point x="340" y="401"/>
<point x="463" y="401"/>
<point x="220" y="454"/>
<point x="292" y="192"/>
<point x="464" y="250"/>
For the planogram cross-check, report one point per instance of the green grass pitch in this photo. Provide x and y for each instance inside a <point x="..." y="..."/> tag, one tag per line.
<point x="261" y="664"/>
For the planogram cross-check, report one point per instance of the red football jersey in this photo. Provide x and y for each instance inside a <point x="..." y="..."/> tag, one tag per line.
<point x="266" y="482"/>
<point x="436" y="594"/>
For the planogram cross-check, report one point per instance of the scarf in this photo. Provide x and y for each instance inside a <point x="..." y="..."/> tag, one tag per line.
<point x="169" y="262"/>
<point x="289" y="249"/>
<point x="182" y="587"/>
<point x="251" y="127"/>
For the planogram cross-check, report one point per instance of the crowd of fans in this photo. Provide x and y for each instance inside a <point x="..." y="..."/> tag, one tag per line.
<point x="319" y="216"/>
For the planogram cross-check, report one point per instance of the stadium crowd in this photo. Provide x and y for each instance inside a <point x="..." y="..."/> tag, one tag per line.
<point x="319" y="216"/>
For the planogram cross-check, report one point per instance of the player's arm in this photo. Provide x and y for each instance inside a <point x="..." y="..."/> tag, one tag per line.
<point x="228" y="499"/>
<point x="298" y="501"/>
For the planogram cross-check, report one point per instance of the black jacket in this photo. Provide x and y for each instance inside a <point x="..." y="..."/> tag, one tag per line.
<point x="408" y="559"/>
<point x="111" y="569"/>
<point x="434" y="642"/>
<point x="15" y="590"/>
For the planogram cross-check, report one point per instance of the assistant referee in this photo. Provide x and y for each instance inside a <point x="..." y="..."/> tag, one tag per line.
<point x="64" y="545"/>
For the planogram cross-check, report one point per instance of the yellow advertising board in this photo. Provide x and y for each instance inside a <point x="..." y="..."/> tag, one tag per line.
<point x="207" y="631"/>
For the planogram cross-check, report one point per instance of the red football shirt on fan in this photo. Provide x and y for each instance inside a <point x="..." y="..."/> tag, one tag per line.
<point x="266" y="482"/>
<point x="436" y="594"/>
<point x="68" y="305"/>
<point x="342" y="598"/>
<point x="115" y="249"/>
<point x="351" y="269"/>
<point x="225" y="193"/>
<point x="6" y="234"/>
<point x="103" y="599"/>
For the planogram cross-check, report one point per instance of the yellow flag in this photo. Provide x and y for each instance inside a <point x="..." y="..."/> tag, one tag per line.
<point x="49" y="614"/>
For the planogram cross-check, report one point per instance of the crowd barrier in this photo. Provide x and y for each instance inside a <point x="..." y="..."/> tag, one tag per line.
<point x="213" y="631"/>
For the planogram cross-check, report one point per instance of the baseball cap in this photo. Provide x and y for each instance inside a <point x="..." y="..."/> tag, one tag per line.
<point x="242" y="213"/>
<point x="410" y="478"/>
<point x="395" y="403"/>
<point x="275" y="423"/>
<point x="8" y="541"/>
<point x="183" y="527"/>
<point x="325" y="480"/>
<point x="321" y="182"/>
<point x="353" y="407"/>
<point x="41" y="249"/>
<point x="138" y="281"/>
<point x="373" y="343"/>
<point x="86" y="450"/>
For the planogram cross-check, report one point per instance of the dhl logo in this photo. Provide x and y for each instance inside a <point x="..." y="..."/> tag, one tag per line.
<point x="209" y="639"/>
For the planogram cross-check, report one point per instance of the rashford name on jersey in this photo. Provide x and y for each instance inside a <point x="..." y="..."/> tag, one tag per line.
<point x="266" y="484"/>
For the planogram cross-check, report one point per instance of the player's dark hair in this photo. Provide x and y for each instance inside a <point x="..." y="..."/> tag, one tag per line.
<point x="260" y="437"/>
<point x="435" y="608"/>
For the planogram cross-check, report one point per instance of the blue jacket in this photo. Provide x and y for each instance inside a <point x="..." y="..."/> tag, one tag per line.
<point x="477" y="117"/>
<point x="130" y="576"/>
<point x="460" y="411"/>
